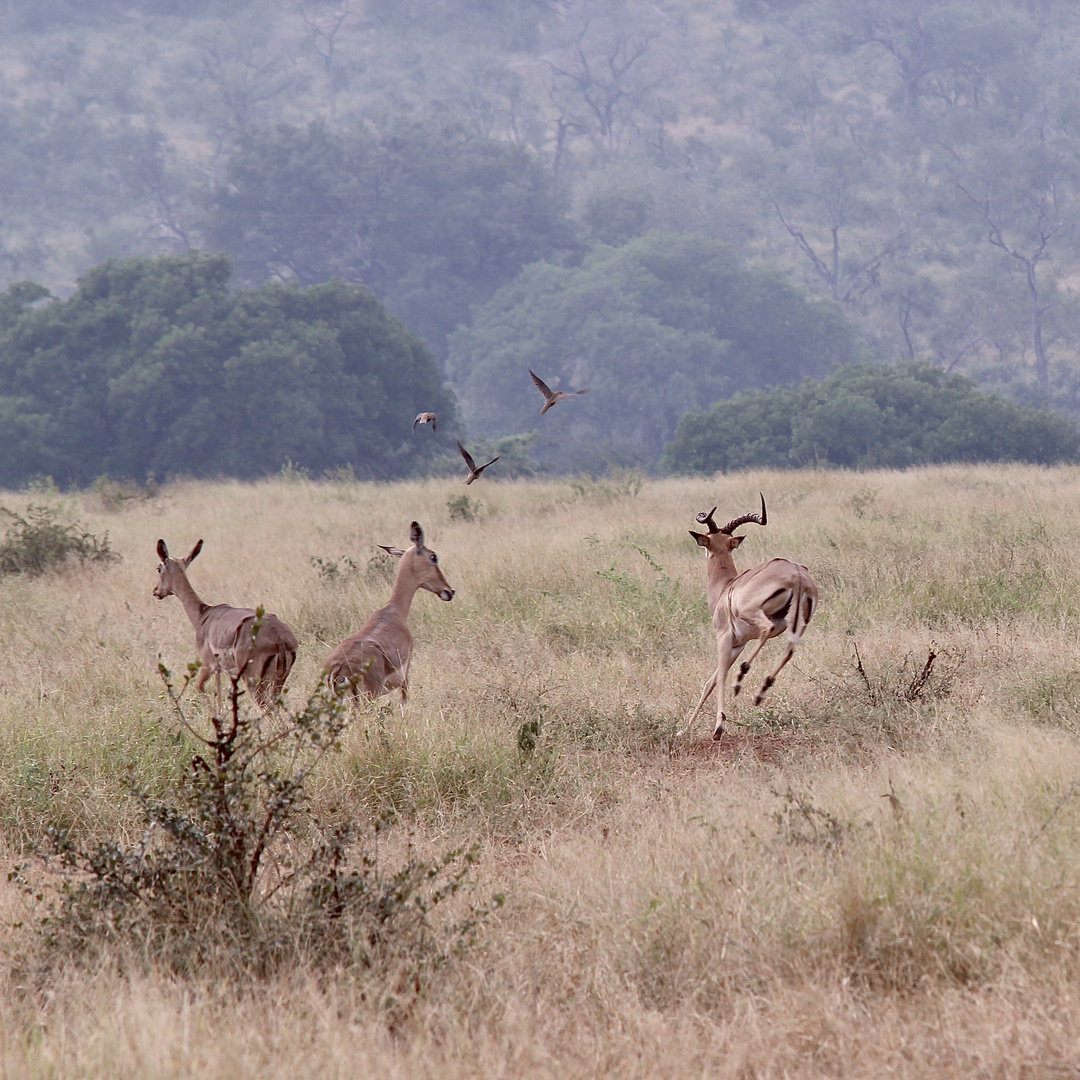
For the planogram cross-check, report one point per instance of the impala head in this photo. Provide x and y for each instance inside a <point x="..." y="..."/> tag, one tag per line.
<point x="423" y="565"/>
<point x="720" y="539"/>
<point x="169" y="569"/>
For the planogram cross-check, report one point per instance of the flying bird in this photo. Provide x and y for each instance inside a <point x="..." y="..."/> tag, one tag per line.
<point x="474" y="470"/>
<point x="552" y="397"/>
<point x="426" y="418"/>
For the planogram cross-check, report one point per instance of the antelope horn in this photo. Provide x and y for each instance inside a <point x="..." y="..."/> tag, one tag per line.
<point x="707" y="519"/>
<point x="758" y="519"/>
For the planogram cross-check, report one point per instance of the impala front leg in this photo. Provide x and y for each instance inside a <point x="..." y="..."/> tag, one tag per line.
<point x="710" y="686"/>
<point x="728" y="654"/>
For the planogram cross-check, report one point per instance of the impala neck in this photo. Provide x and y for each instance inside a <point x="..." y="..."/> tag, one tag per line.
<point x="720" y="571"/>
<point x="182" y="590"/>
<point x="405" y="586"/>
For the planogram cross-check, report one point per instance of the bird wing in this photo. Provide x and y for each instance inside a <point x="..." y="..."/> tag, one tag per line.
<point x="585" y="391"/>
<point x="434" y="422"/>
<point x="491" y="462"/>
<point x="467" y="456"/>
<point x="416" y="421"/>
<point x="541" y="385"/>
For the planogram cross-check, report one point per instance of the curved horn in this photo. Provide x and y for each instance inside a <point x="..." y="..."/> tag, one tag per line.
<point x="707" y="519"/>
<point x="758" y="519"/>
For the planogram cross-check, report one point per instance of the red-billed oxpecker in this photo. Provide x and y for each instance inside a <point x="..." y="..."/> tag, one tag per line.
<point x="552" y="397"/>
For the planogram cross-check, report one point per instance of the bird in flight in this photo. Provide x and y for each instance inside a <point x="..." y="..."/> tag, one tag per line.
<point x="552" y="397"/>
<point x="426" y="418"/>
<point x="474" y="469"/>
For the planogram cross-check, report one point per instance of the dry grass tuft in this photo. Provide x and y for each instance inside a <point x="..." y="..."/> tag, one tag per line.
<point x="874" y="873"/>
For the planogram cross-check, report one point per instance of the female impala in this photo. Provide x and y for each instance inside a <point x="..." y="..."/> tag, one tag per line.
<point x="226" y="638"/>
<point x="760" y="604"/>
<point x="377" y="656"/>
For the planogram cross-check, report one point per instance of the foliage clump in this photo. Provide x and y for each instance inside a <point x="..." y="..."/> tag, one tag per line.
<point x="664" y="323"/>
<point x="157" y="367"/>
<point x="39" y="541"/>
<point x="862" y="417"/>
<point x="234" y="869"/>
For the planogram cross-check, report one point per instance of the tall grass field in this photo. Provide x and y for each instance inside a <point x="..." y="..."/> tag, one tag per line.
<point x="874" y="873"/>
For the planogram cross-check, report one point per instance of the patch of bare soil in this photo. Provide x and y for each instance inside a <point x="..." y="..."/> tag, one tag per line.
<point x="768" y="748"/>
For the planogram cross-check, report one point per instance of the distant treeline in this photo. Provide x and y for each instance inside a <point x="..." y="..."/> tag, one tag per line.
<point x="865" y="417"/>
<point x="155" y="366"/>
<point x="655" y="326"/>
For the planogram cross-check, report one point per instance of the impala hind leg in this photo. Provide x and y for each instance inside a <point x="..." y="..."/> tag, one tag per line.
<point x="803" y="613"/>
<point x="744" y="667"/>
<point x="772" y="678"/>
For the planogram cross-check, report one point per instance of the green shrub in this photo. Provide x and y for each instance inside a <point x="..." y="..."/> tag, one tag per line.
<point x="235" y="871"/>
<point x="863" y="416"/>
<point x="39" y="541"/>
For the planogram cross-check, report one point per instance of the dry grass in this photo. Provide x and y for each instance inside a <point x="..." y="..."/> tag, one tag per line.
<point x="872" y="876"/>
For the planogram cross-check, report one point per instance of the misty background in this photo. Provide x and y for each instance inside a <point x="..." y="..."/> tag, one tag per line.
<point x="671" y="203"/>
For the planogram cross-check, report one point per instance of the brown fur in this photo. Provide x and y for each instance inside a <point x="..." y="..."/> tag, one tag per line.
<point x="224" y="636"/>
<point x="376" y="658"/>
<point x="756" y="605"/>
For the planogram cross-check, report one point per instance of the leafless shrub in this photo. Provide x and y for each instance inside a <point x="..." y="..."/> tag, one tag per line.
<point x="913" y="683"/>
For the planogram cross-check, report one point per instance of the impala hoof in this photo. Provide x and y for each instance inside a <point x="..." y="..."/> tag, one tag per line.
<point x="718" y="734"/>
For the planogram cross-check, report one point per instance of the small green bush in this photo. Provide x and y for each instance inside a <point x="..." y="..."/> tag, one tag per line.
<point x="462" y="508"/>
<point x="235" y="872"/>
<point x="40" y="541"/>
<point x="862" y="417"/>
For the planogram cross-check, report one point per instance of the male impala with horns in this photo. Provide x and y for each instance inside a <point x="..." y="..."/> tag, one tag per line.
<point x="756" y="605"/>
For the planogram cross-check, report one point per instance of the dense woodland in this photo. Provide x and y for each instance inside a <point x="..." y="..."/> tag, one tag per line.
<point x="887" y="179"/>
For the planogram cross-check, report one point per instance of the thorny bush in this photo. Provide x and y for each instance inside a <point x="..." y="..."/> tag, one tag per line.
<point x="39" y="541"/>
<point x="234" y="868"/>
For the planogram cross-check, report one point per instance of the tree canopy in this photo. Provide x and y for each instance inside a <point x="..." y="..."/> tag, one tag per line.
<point x="155" y="366"/>
<point x="660" y="325"/>
<point x="912" y="161"/>
<point x="863" y="416"/>
<point x="432" y="217"/>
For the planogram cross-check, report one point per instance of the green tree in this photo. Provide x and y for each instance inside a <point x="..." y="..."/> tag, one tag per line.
<point x="432" y="217"/>
<point x="153" y="365"/>
<point x="868" y="417"/>
<point x="660" y="325"/>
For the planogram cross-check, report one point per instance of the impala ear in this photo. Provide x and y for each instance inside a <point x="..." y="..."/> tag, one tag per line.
<point x="736" y="541"/>
<point x="701" y="538"/>
<point x="416" y="535"/>
<point x="396" y="552"/>
<point x="162" y="551"/>
<point x="194" y="551"/>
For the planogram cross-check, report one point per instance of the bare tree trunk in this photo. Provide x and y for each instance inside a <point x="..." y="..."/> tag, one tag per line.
<point x="1042" y="371"/>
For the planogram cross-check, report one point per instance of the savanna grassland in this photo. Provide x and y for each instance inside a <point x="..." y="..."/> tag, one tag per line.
<point x="875" y="873"/>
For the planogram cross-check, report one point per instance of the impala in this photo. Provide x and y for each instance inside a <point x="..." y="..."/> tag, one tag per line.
<point x="377" y="656"/>
<point x="753" y="606"/>
<point x="230" y="639"/>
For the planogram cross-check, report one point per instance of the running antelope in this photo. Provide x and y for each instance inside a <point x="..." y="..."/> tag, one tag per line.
<point x="226" y="638"/>
<point x="377" y="656"/>
<point x="756" y="605"/>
